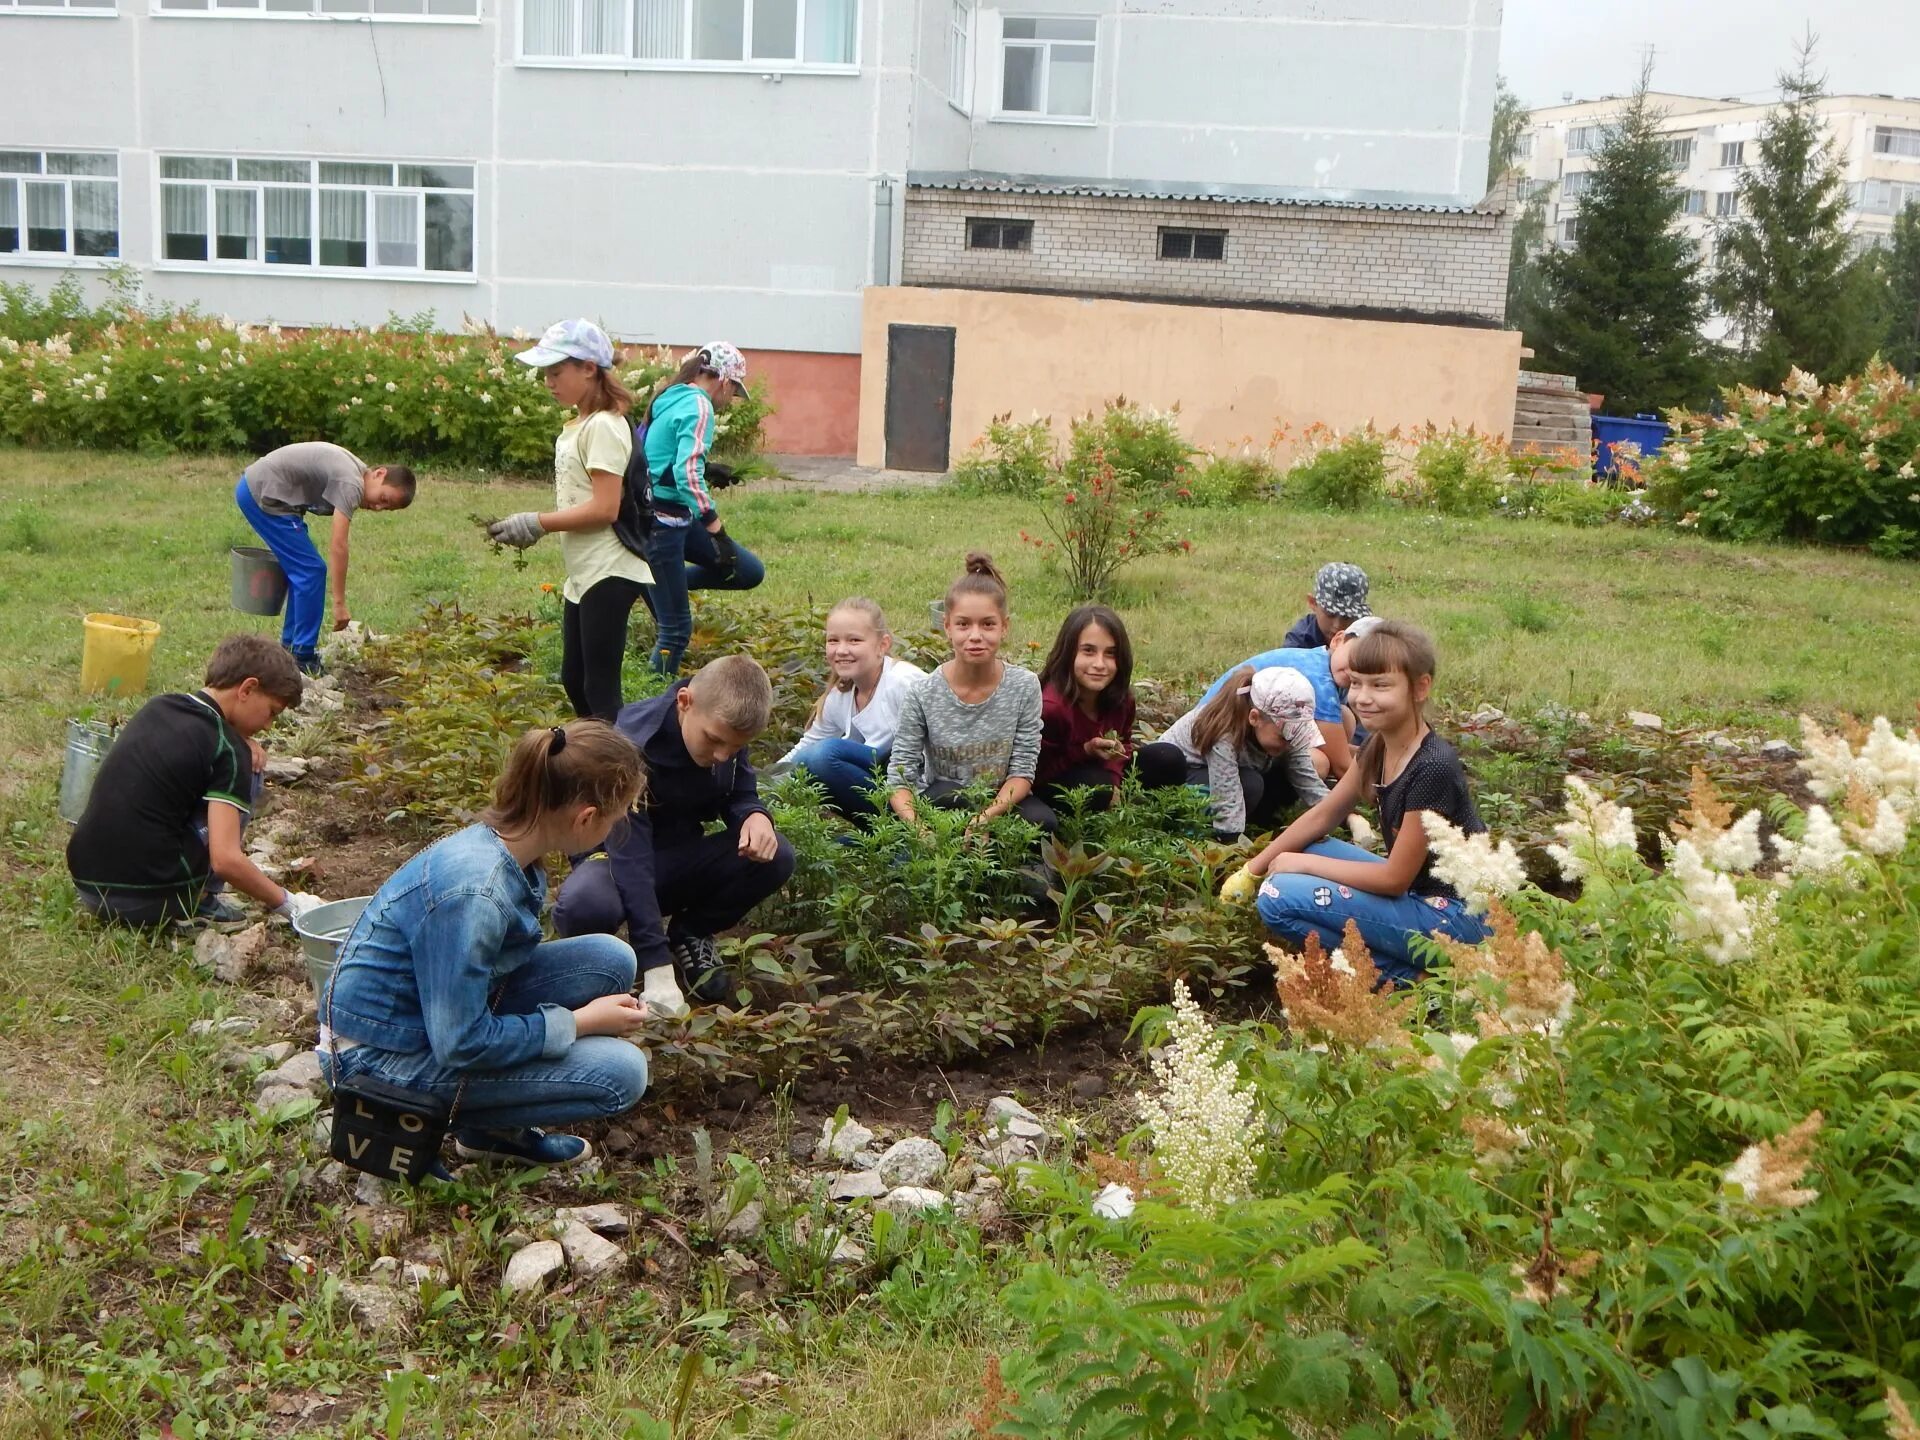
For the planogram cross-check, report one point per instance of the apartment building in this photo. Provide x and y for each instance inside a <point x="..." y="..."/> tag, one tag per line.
<point x="1876" y="137"/>
<point x="685" y="169"/>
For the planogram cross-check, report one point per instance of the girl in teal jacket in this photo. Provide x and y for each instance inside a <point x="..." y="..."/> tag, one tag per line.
<point x="688" y="548"/>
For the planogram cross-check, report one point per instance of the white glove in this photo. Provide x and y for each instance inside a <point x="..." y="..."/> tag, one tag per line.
<point x="661" y="993"/>
<point x="297" y="904"/>
<point x="519" y="531"/>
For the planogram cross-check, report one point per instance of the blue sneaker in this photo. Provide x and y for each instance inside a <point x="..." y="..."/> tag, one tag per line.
<point x="219" y="910"/>
<point x="528" y="1147"/>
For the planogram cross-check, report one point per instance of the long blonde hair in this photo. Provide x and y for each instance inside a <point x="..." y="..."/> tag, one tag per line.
<point x="877" y="618"/>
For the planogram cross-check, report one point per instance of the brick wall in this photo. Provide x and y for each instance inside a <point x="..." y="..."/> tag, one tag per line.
<point x="1392" y="261"/>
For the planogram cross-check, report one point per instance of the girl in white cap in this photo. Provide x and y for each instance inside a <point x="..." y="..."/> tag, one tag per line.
<point x="1260" y="721"/>
<point x="688" y="547"/>
<point x="590" y="457"/>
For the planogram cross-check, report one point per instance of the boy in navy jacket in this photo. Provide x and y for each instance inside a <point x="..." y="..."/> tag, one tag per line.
<point x="663" y="866"/>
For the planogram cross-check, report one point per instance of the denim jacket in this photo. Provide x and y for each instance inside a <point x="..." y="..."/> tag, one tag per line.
<point x="421" y="964"/>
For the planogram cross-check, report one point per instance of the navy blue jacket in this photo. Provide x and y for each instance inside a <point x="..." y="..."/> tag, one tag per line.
<point x="1305" y="635"/>
<point x="682" y="800"/>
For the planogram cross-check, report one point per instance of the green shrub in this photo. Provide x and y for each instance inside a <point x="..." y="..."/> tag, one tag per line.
<point x="1010" y="459"/>
<point x="1838" y="464"/>
<point x="1348" y="474"/>
<point x="1223" y="480"/>
<point x="1144" y="444"/>
<point x="1097" y="519"/>
<point x="1461" y="472"/>
<point x="1565" y="502"/>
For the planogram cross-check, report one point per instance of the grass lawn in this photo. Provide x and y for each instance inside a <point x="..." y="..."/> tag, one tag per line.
<point x="113" y="1121"/>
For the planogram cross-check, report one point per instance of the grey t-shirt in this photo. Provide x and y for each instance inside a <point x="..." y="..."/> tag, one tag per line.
<point x="941" y="737"/>
<point x="310" y="476"/>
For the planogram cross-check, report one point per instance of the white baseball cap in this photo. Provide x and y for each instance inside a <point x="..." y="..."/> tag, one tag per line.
<point x="1285" y="697"/>
<point x="570" y="340"/>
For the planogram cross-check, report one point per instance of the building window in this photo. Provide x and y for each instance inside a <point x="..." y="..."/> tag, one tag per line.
<point x="59" y="204"/>
<point x="1733" y="154"/>
<point x="1726" y="204"/>
<point x="695" y="34"/>
<point x="1885" y="197"/>
<point x="1575" y="183"/>
<point x="330" y="216"/>
<point x="1046" y="67"/>
<point x="959" y="54"/>
<point x="1523" y="146"/>
<point x="322" y="9"/>
<point x="1889" y="140"/>
<point x="1679" y="152"/>
<point x="1570" y="230"/>
<point x="58" y="7"/>
<point x="1192" y="244"/>
<point x="1585" y="139"/>
<point x="999" y="234"/>
<point x="1694" y="203"/>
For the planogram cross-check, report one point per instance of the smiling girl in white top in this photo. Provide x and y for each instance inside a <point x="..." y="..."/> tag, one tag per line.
<point x="851" y="733"/>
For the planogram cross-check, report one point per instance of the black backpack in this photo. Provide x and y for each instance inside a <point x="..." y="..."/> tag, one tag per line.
<point x="635" y="520"/>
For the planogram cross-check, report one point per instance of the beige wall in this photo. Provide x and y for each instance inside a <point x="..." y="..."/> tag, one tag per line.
<point x="1238" y="374"/>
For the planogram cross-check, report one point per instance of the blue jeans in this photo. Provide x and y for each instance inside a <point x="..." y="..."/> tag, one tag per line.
<point x="287" y="538"/>
<point x="845" y="769"/>
<point x="1296" y="906"/>
<point x="682" y="558"/>
<point x="599" y="1076"/>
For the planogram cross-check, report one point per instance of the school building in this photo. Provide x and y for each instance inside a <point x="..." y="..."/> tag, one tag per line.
<point x="1174" y="199"/>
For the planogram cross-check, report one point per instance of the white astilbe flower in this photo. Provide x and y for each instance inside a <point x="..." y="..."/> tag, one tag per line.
<point x="1820" y="854"/>
<point x="1737" y="848"/>
<point x="1768" y="1175"/>
<point x="1887" y="763"/>
<point x="1473" y="865"/>
<point x="1594" y="827"/>
<point x="1205" y="1142"/>
<point x="1886" y="836"/>
<point x="1711" y="911"/>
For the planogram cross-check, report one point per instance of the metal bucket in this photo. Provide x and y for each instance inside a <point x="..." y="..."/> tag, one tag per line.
<point x="87" y="744"/>
<point x="322" y="931"/>
<point x="259" y="585"/>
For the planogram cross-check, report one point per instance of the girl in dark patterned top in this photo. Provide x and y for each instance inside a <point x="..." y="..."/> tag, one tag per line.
<point x="1310" y="884"/>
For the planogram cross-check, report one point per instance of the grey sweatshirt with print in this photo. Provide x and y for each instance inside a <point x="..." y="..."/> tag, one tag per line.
<point x="941" y="737"/>
<point x="1223" y="773"/>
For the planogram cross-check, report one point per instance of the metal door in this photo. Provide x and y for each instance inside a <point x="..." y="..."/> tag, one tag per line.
<point x="919" y="396"/>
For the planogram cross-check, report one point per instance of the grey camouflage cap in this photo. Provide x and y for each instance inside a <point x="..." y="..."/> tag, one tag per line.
<point x="1341" y="589"/>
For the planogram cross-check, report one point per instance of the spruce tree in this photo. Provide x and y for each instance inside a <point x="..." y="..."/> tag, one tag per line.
<point x="1900" y="342"/>
<point x="1783" y="273"/>
<point x="1623" y="307"/>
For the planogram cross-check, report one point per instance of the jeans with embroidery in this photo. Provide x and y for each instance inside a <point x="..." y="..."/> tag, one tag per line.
<point x="1296" y="906"/>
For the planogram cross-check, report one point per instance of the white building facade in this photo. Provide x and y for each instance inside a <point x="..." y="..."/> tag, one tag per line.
<point x="678" y="169"/>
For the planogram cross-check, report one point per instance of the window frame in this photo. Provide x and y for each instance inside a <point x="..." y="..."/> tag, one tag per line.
<point x="1896" y="137"/>
<point x="1585" y="139"/>
<point x="316" y="189"/>
<point x="64" y="259"/>
<point x="961" y="19"/>
<point x="1045" y="49"/>
<point x="1695" y="203"/>
<point x="1024" y="224"/>
<point x="1679" y="150"/>
<point x="1726" y="204"/>
<point x="1572" y="191"/>
<point x="1900" y="193"/>
<point x="109" y="11"/>
<point x="227" y="10"/>
<point x="749" y="65"/>
<point x="1738" y="150"/>
<point x="1192" y="234"/>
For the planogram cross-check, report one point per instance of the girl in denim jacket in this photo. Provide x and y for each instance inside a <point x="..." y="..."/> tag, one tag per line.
<point x="447" y="979"/>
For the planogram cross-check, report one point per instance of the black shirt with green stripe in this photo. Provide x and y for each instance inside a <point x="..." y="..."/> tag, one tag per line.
<point x="142" y="826"/>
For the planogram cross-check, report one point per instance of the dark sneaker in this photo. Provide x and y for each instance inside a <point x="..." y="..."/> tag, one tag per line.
<point x="701" y="973"/>
<point x="437" y="1173"/>
<point x="309" y="662"/>
<point x="528" y="1147"/>
<point x="219" y="910"/>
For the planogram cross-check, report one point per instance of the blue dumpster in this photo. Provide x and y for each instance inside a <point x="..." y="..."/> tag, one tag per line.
<point x="1649" y="432"/>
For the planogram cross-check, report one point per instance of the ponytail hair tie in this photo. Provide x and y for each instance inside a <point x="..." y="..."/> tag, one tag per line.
<point x="559" y="734"/>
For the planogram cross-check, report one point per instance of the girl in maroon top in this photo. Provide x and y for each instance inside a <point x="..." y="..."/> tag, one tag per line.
<point x="1086" y="707"/>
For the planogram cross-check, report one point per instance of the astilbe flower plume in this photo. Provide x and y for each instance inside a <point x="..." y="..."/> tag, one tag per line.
<point x="1478" y="869"/>
<point x="1768" y="1174"/>
<point x="1900" y="1422"/>
<point x="1723" y="842"/>
<point x="1875" y="756"/>
<point x="1205" y="1143"/>
<point x="1711" y="910"/>
<point x="1873" y="822"/>
<point x="1336" y="998"/>
<point x="1521" y="980"/>
<point x="1595" y="827"/>
<point x="1496" y="1144"/>
<point x="1820" y="854"/>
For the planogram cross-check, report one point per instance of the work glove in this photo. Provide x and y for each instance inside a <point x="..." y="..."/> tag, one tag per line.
<point x="519" y="531"/>
<point x="1240" y="887"/>
<point x="726" y="555"/>
<point x="297" y="904"/>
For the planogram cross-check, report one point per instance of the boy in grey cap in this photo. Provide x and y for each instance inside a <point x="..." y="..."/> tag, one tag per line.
<point x="1339" y="597"/>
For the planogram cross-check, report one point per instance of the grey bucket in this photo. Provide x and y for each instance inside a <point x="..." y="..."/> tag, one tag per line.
<point x="259" y="584"/>
<point x="322" y="931"/>
<point x="87" y="744"/>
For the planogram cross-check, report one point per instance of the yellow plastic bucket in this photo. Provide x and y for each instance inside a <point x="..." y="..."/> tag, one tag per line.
<point x="116" y="653"/>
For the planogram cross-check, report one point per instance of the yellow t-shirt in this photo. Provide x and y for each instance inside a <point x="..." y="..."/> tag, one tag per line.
<point x="600" y="441"/>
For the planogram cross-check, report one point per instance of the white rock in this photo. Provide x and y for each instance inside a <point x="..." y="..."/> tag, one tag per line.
<point x="515" y="1240"/>
<point x="1645" y="720"/>
<point x="1779" y="750"/>
<point x="589" y="1254"/>
<point x="385" y="1269"/>
<point x="278" y="1053"/>
<point x="533" y="1265"/>
<point x="983" y="1207"/>
<point x="912" y="1162"/>
<point x="323" y="1131"/>
<point x="746" y="1223"/>
<point x="1007" y="1152"/>
<point x="416" y="1274"/>
<point x="286" y="767"/>
<point x="841" y="1143"/>
<point x="912" y="1200"/>
<point x="231" y="957"/>
<point x="857" y="1185"/>
<point x="377" y="1306"/>
<point x="274" y="1096"/>
<point x="606" y="1218"/>
<point x="300" y="1071"/>
<point x="372" y="1190"/>
<point x="1003" y="1108"/>
<point x="1113" y="1203"/>
<point x="847" y="1251"/>
<point x="232" y="1025"/>
<point x="1488" y="715"/>
<point x="335" y="1174"/>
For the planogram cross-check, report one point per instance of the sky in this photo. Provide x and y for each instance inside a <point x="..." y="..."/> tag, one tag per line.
<point x="1706" y="47"/>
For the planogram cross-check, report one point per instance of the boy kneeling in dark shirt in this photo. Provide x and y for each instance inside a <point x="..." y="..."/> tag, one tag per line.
<point x="673" y="885"/>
